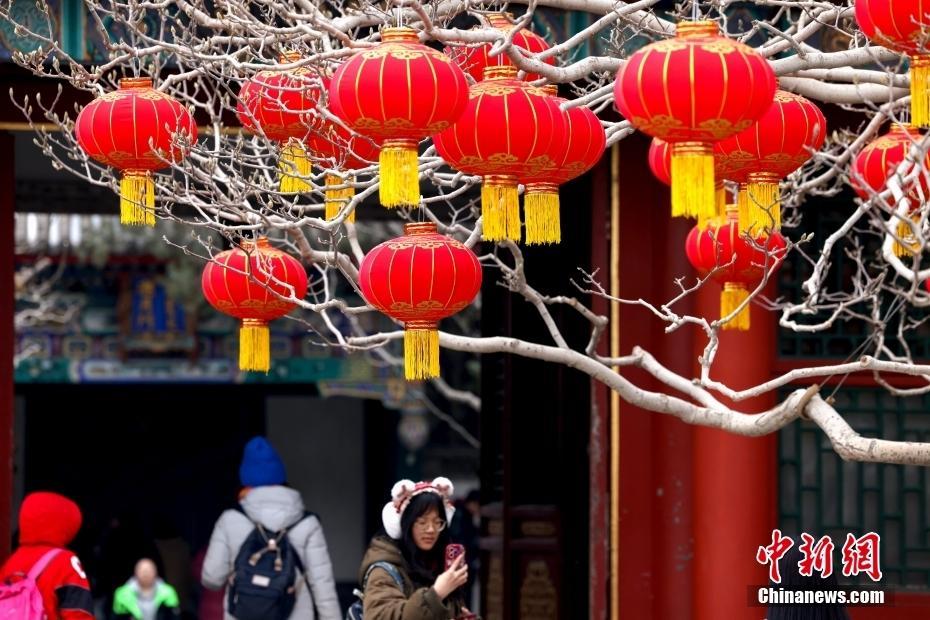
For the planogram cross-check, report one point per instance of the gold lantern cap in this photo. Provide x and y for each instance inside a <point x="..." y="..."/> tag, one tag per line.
<point x="702" y="28"/>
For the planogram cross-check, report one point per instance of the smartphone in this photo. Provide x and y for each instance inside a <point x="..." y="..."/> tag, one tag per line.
<point x="453" y="551"/>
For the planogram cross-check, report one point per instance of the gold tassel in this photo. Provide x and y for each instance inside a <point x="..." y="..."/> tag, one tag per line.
<point x="500" y="208"/>
<point x="295" y="167"/>
<point x="338" y="198"/>
<point x="400" y="179"/>
<point x="720" y="194"/>
<point x="905" y="234"/>
<point x="541" y="208"/>
<point x="254" y="346"/>
<point x="742" y="208"/>
<point x="137" y="199"/>
<point x="421" y="350"/>
<point x="920" y="91"/>
<point x="763" y="203"/>
<point x="731" y="297"/>
<point x="693" y="193"/>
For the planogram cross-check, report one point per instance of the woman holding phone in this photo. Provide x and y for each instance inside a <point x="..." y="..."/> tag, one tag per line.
<point x="404" y="574"/>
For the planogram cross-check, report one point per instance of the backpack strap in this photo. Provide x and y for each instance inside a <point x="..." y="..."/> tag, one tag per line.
<point x="389" y="568"/>
<point x="300" y="565"/>
<point x="42" y="564"/>
<point x="307" y="514"/>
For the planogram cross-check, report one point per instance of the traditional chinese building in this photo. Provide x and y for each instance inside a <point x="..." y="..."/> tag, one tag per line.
<point x="592" y="508"/>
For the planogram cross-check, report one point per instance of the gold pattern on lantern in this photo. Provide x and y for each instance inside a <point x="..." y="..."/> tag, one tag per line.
<point x="152" y="95"/>
<point x="473" y="161"/>
<point x="739" y="160"/>
<point x="781" y="159"/>
<point x="884" y="143"/>
<point x="542" y="162"/>
<point x="669" y="45"/>
<point x="503" y="158"/>
<point x="494" y="90"/>
<point x="782" y="96"/>
<point x="427" y="244"/>
<point x="721" y="48"/>
<point x="406" y="54"/>
<point x="721" y="128"/>
<point x="657" y="125"/>
<point x="366" y="123"/>
<point x="398" y="123"/>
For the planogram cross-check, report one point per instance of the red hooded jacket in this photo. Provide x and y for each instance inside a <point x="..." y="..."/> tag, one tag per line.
<point x="49" y="521"/>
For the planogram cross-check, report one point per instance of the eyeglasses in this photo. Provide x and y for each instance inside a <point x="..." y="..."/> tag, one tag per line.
<point x="437" y="525"/>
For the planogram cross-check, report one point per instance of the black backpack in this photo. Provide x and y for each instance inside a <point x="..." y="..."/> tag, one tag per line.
<point x="265" y="578"/>
<point x="356" y="609"/>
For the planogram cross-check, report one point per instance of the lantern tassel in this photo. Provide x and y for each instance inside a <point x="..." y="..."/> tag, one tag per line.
<point x="400" y="179"/>
<point x="742" y="207"/>
<point x="541" y="207"/>
<point x="720" y="195"/>
<point x="254" y="346"/>
<point x="500" y="208"/>
<point x="137" y="199"/>
<point x="693" y="193"/>
<point x="763" y="205"/>
<point x="731" y="297"/>
<point x="920" y="91"/>
<point x="907" y="246"/>
<point x="295" y="167"/>
<point x="338" y="197"/>
<point x="421" y="351"/>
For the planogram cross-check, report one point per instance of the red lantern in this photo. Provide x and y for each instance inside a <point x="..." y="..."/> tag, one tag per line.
<point x="660" y="162"/>
<point x="900" y="25"/>
<point x="742" y="264"/>
<point x="248" y="283"/>
<point x="134" y="129"/>
<point x="877" y="162"/>
<point x="582" y="150"/>
<point x="474" y="60"/>
<point x="334" y="147"/>
<point x="786" y="136"/>
<point x="509" y="131"/>
<point x="692" y="91"/>
<point x="279" y="103"/>
<point x="399" y="92"/>
<point x="420" y="279"/>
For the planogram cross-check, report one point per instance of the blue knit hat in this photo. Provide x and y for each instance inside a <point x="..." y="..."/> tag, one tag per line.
<point x="261" y="465"/>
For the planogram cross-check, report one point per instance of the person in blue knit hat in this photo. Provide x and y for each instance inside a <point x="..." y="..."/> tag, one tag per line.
<point x="261" y="465"/>
<point x="269" y="507"/>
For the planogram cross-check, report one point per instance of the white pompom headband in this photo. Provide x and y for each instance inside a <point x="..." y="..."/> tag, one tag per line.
<point x="404" y="491"/>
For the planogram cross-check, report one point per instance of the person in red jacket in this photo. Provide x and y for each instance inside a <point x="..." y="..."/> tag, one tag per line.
<point x="49" y="521"/>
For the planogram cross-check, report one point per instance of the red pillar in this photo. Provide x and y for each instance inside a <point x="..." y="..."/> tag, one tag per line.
<point x="672" y="441"/>
<point x="655" y="566"/>
<point x="7" y="201"/>
<point x="735" y="478"/>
